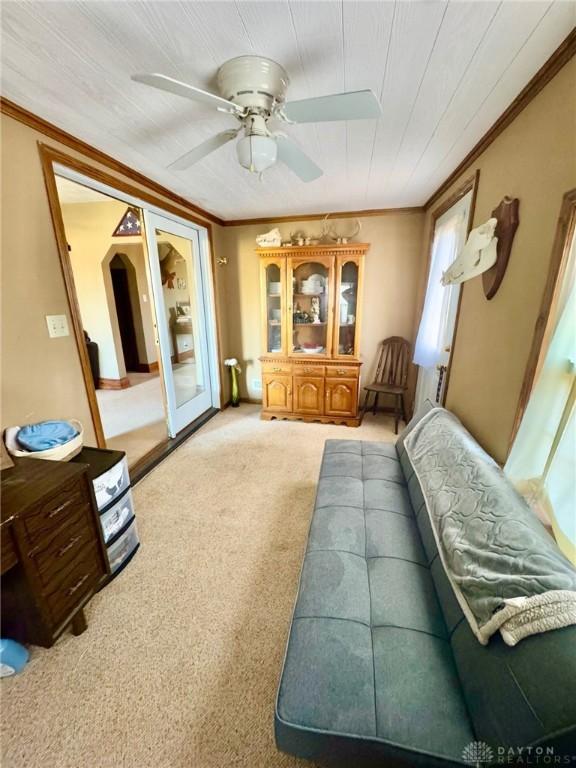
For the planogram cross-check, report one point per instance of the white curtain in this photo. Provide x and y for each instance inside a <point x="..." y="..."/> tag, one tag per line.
<point x="542" y="462"/>
<point x="431" y="338"/>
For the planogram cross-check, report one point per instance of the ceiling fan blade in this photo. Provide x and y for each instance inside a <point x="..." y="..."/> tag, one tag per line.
<point x="164" y="83"/>
<point x="298" y="162"/>
<point x="354" y="105"/>
<point x="208" y="146"/>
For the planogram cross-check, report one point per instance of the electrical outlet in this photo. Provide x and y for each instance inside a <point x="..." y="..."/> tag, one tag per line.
<point x="57" y="326"/>
<point x="257" y="385"/>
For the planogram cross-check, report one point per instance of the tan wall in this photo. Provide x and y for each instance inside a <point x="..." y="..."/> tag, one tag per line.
<point x="181" y="264"/>
<point x="392" y="270"/>
<point x="41" y="377"/>
<point x="142" y="299"/>
<point x="534" y="159"/>
<point x="88" y="231"/>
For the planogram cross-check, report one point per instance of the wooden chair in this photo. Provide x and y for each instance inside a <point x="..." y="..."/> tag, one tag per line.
<point x="391" y="377"/>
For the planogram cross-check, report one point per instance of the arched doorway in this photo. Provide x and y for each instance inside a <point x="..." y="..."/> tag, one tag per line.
<point x="121" y="279"/>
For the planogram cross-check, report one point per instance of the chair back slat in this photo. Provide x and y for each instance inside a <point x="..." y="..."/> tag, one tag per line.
<point x="393" y="361"/>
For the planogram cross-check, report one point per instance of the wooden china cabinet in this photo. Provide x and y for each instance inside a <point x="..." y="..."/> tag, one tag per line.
<point x="311" y="306"/>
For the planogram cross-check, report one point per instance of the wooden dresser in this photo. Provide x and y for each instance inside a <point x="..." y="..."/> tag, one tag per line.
<point x="311" y="307"/>
<point x="53" y="556"/>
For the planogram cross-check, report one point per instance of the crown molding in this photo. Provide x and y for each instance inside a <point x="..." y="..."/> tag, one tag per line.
<point x="561" y="56"/>
<point x="547" y="71"/>
<point x="317" y="216"/>
<point x="52" y="131"/>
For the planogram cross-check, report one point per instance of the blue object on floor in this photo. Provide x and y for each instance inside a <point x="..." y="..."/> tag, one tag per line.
<point x="45" y="435"/>
<point x="13" y="657"/>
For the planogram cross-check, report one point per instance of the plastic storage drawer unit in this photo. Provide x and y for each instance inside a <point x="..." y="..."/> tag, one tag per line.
<point x="111" y="482"/>
<point x="121" y="551"/>
<point x="108" y="472"/>
<point x="114" y="519"/>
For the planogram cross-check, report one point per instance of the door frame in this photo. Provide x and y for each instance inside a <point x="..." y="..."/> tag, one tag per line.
<point x="54" y="162"/>
<point x="470" y="184"/>
<point x="175" y="413"/>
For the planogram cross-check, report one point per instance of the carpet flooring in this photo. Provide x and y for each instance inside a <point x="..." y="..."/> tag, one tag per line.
<point x="180" y="662"/>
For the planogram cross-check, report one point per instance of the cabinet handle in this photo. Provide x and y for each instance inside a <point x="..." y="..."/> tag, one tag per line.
<point x="78" y="584"/>
<point x="67" y="547"/>
<point x="277" y="370"/>
<point x="60" y="508"/>
<point x="289" y="391"/>
<point x="340" y="372"/>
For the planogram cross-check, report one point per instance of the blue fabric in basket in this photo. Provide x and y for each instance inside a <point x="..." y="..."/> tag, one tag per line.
<point x="45" y="435"/>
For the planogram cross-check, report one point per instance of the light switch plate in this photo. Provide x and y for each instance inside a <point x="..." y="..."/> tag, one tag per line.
<point x="257" y="385"/>
<point x="57" y="326"/>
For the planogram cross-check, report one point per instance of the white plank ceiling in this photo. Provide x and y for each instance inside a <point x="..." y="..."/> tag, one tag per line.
<point x="444" y="72"/>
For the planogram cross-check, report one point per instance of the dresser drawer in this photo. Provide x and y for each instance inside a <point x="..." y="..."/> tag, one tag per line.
<point x="82" y="577"/>
<point x="55" y="510"/>
<point x="271" y="367"/>
<point x="309" y="370"/>
<point x="342" y="372"/>
<point x="52" y="557"/>
<point x="8" y="556"/>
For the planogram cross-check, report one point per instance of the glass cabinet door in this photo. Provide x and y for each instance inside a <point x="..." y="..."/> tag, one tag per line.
<point x="273" y="287"/>
<point x="346" y="310"/>
<point x="310" y="287"/>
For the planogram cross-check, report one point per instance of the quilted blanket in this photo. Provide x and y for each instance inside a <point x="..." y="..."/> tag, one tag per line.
<point x="506" y="571"/>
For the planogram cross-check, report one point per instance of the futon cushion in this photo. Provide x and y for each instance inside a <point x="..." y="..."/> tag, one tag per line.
<point x="368" y="654"/>
<point x="516" y="696"/>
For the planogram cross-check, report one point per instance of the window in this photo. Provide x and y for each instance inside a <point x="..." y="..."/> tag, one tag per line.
<point x="438" y="321"/>
<point x="542" y="462"/>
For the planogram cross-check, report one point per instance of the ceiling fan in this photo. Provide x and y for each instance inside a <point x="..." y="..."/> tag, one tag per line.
<point x="253" y="90"/>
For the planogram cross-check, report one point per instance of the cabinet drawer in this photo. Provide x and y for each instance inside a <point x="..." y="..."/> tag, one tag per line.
<point x="52" y="557"/>
<point x="80" y="579"/>
<point x="309" y="370"/>
<point x="56" y="510"/>
<point x="342" y="372"/>
<point x="270" y="367"/>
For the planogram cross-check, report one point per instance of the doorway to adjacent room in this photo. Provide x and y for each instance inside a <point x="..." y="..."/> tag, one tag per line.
<point x="140" y="285"/>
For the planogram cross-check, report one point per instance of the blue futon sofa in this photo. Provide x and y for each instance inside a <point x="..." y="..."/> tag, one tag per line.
<point x="381" y="667"/>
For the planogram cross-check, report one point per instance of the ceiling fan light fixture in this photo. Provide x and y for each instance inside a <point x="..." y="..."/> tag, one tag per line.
<point x="257" y="153"/>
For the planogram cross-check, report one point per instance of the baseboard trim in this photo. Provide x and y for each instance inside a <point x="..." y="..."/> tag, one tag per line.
<point x="148" y="367"/>
<point x="188" y="354"/>
<point x="122" y="383"/>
